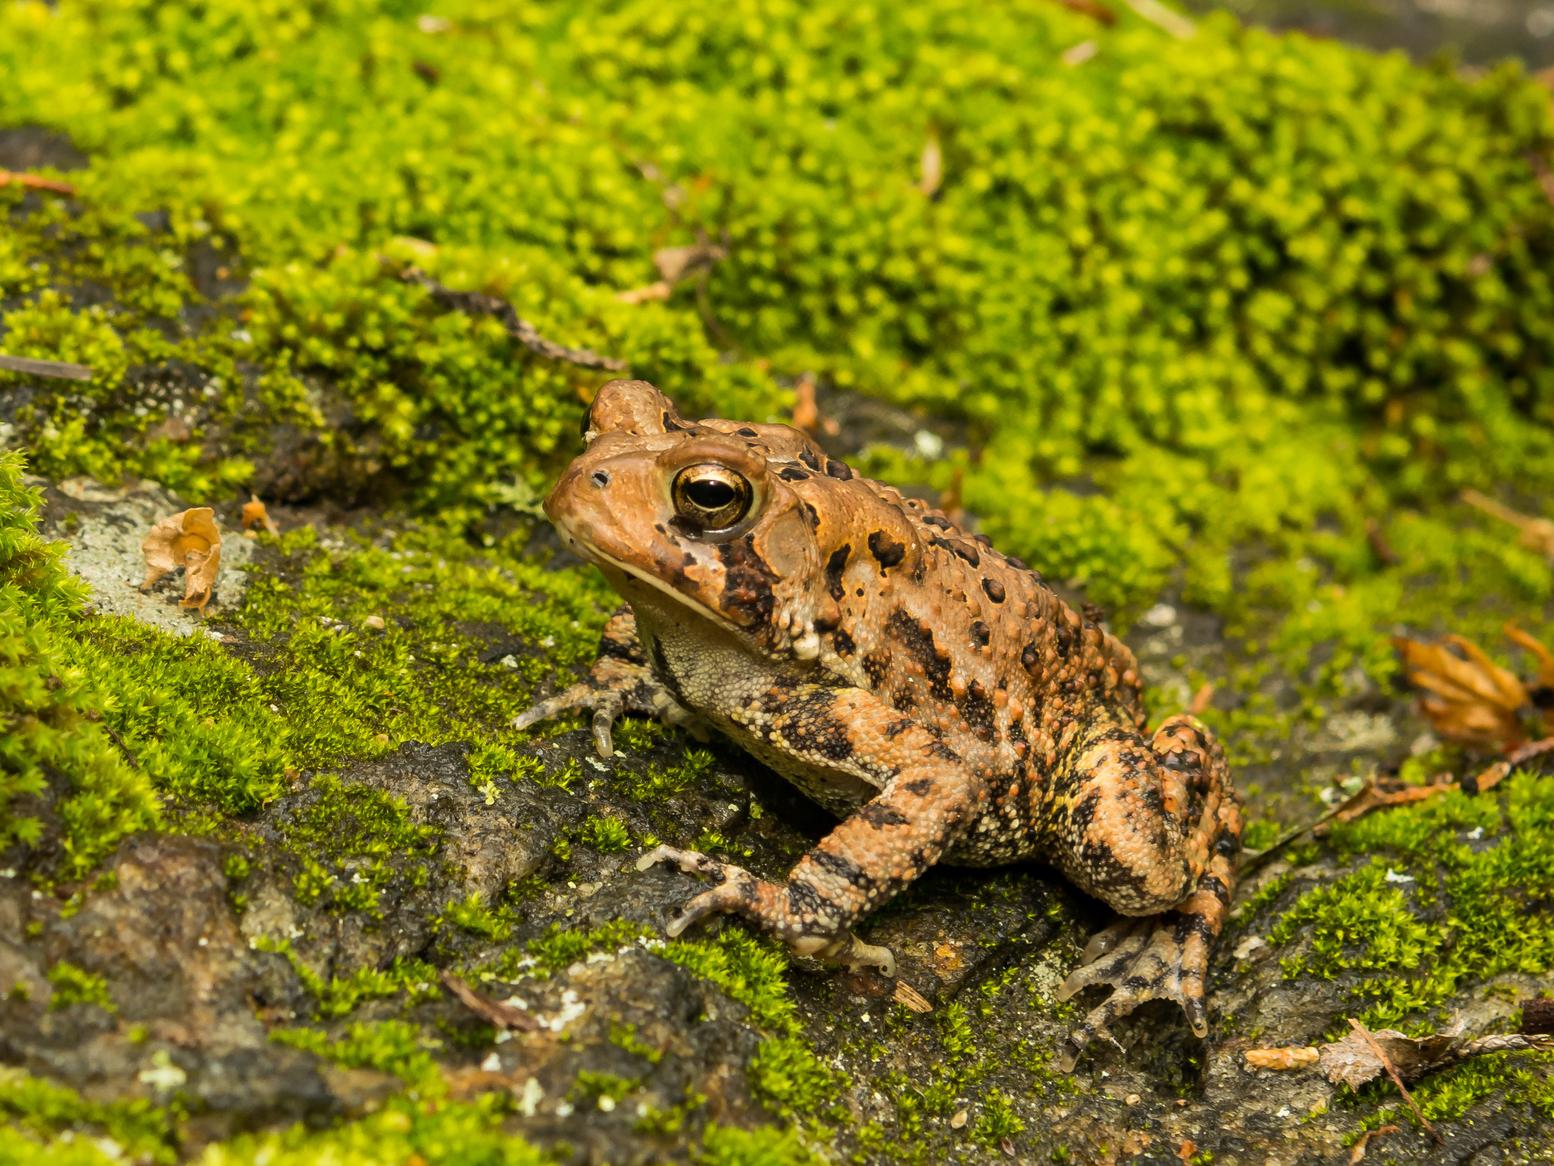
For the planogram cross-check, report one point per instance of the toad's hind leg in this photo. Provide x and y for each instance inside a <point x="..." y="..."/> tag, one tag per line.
<point x="1153" y="830"/>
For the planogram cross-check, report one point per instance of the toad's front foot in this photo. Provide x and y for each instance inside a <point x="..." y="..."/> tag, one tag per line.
<point x="771" y="906"/>
<point x="1158" y="958"/>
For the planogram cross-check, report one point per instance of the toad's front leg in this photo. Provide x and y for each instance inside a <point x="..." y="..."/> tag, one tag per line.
<point x="928" y="796"/>
<point x="621" y="681"/>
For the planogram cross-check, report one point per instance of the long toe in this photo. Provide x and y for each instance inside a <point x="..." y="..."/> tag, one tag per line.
<point x="1143" y="960"/>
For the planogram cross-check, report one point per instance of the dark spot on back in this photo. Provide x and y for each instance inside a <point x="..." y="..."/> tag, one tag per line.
<point x="843" y="643"/>
<point x="994" y="589"/>
<point x="917" y="639"/>
<point x="886" y="550"/>
<point x="792" y="474"/>
<point x="835" y="565"/>
<point x="745" y="431"/>
<point x="839" y="470"/>
<point x="979" y="631"/>
<point x="882" y="817"/>
<point x="807" y="456"/>
<point x="976" y="707"/>
<point x="938" y="520"/>
<point x="1030" y="657"/>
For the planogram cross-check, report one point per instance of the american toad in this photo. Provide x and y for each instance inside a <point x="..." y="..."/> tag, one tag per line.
<point x="934" y="694"/>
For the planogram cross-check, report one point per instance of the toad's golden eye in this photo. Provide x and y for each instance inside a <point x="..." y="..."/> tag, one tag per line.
<point x="711" y="497"/>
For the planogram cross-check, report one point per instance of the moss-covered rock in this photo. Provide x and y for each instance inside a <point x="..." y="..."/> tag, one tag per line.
<point x="1215" y="330"/>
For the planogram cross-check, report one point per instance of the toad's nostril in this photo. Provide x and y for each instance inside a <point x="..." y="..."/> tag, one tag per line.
<point x="601" y="478"/>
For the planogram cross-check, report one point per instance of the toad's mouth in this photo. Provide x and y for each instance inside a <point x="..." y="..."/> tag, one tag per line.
<point x="609" y="563"/>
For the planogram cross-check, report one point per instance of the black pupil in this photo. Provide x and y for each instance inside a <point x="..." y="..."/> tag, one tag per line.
<point x="709" y="493"/>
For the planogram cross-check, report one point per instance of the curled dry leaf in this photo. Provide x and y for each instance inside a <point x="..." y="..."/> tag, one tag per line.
<point x="256" y="516"/>
<point x="190" y="540"/>
<point x="910" y="998"/>
<point x="1468" y="698"/>
<point x="1363" y="1055"/>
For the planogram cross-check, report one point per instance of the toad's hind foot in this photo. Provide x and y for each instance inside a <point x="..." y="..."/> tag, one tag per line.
<point x="1159" y="958"/>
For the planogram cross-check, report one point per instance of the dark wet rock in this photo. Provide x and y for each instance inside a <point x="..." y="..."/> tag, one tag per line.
<point x="32" y="147"/>
<point x="183" y="993"/>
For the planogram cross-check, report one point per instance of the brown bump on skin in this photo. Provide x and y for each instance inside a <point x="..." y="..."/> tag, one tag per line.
<point x="993" y="588"/>
<point x="839" y="470"/>
<point x="1030" y="658"/>
<point x="968" y="552"/>
<point x="886" y="550"/>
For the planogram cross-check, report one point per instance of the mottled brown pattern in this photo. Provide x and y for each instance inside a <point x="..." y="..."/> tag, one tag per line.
<point x="933" y="693"/>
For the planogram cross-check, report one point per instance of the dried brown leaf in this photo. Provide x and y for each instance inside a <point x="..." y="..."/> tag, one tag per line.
<point x="677" y="263"/>
<point x="1363" y="1055"/>
<point x="255" y="515"/>
<point x="1283" y="1059"/>
<point x="1468" y="698"/>
<point x="910" y="998"/>
<point x="189" y="540"/>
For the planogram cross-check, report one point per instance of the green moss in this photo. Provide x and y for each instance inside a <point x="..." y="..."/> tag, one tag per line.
<point x="341" y="995"/>
<point x="748" y="968"/>
<point x="1458" y="892"/>
<point x="390" y="1046"/>
<point x="561" y="947"/>
<point x="763" y="1146"/>
<point x="32" y="1108"/>
<point x="473" y="915"/>
<point x="52" y="740"/>
<point x="440" y="1134"/>
<point x="997" y="1120"/>
<point x="74" y="985"/>
<point x="794" y="1083"/>
<point x="601" y="1090"/>
<point x="606" y="833"/>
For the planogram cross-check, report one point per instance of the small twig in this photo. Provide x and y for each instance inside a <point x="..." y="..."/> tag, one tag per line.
<point x="1500" y="770"/>
<point x="1537" y="534"/>
<point x="35" y="182"/>
<point x="58" y="369"/>
<point x="1162" y="17"/>
<point x="1386" y="1063"/>
<point x="1357" y="1155"/>
<point x="1506" y="1042"/>
<point x="480" y="304"/>
<point x="493" y="1012"/>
